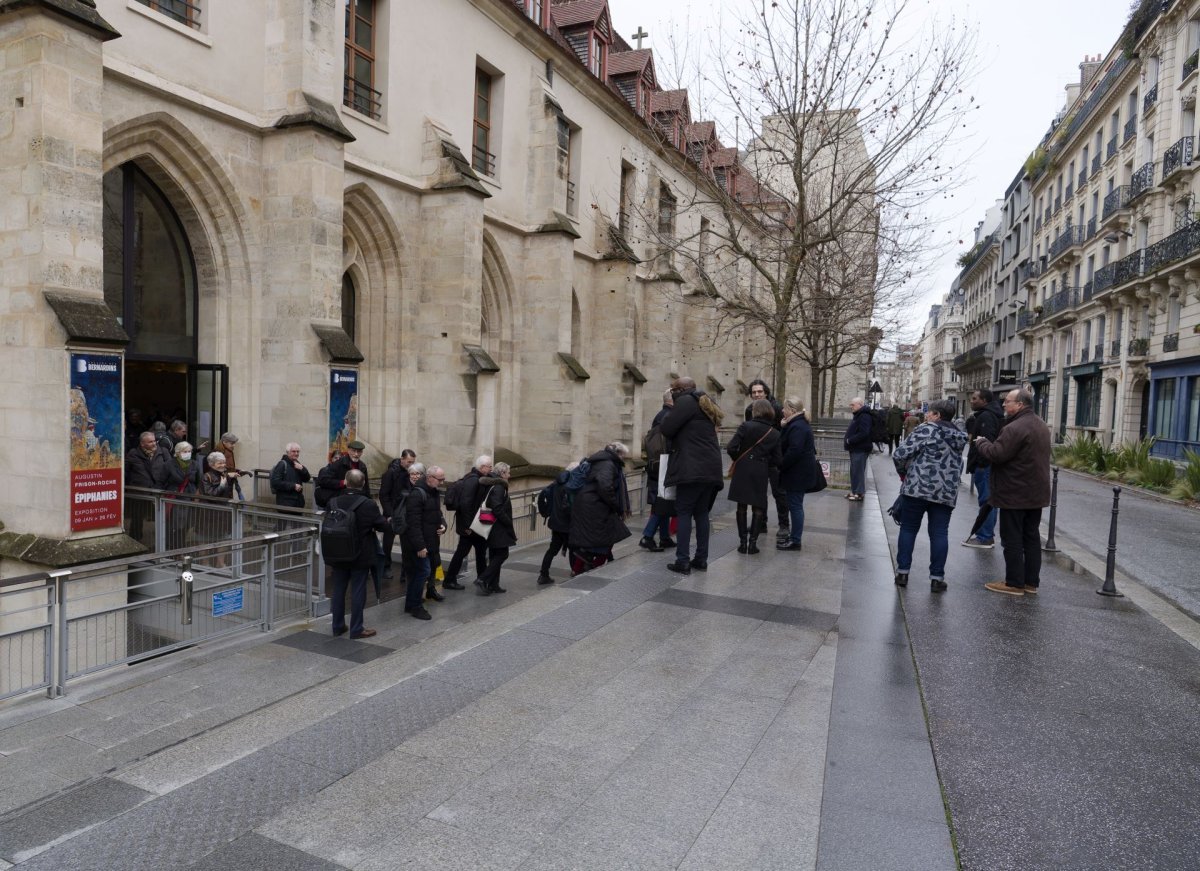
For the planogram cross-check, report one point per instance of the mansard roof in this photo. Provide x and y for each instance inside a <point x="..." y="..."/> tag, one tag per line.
<point x="570" y="13"/>
<point x="701" y="131"/>
<point x="724" y="157"/>
<point x="668" y="101"/>
<point x="636" y="60"/>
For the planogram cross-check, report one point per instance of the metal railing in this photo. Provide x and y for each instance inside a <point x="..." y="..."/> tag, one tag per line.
<point x="1191" y="64"/>
<point x="1130" y="129"/>
<point x="1088" y="290"/>
<point x="67" y="623"/>
<point x="1085" y="354"/>
<point x="362" y="98"/>
<point x="483" y="161"/>
<point x="1129" y="267"/>
<point x="570" y="197"/>
<point x="1114" y="350"/>
<point x="1025" y="320"/>
<point x="1115" y="201"/>
<point x="1091" y="228"/>
<point x="177" y="10"/>
<point x="1098" y="351"/>
<point x="1097" y="163"/>
<point x="1057" y="204"/>
<point x="1083" y="176"/>
<point x="1177" y="156"/>
<point x="1069" y="191"/>
<point x="1139" y="347"/>
<point x="1150" y="99"/>
<point x="1105" y="277"/>
<point x="1083" y="114"/>
<point x="1065" y="299"/>
<point x="1180" y="244"/>
<point x="1070" y="237"/>
<point x="1170" y="342"/>
<point x="1110" y="150"/>
<point x="1142" y="180"/>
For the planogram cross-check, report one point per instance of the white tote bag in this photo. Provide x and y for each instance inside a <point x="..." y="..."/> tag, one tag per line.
<point x="483" y="530"/>
<point x="663" y="490"/>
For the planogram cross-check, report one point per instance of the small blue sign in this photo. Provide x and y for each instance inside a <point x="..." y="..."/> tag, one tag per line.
<point x="228" y="601"/>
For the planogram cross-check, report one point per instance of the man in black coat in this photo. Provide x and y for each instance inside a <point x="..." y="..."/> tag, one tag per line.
<point x="424" y="523"/>
<point x="985" y="422"/>
<point x="288" y="478"/>
<point x="469" y="499"/>
<point x="559" y="522"/>
<point x="759" y="390"/>
<point x="392" y="485"/>
<point x="138" y="473"/>
<point x="332" y="478"/>
<point x="353" y="575"/>
<point x="654" y="445"/>
<point x="694" y="469"/>
<point x="858" y="442"/>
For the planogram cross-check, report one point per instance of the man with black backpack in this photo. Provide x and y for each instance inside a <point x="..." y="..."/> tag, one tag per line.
<point x="348" y="546"/>
<point x="464" y="497"/>
<point x="392" y="486"/>
<point x="554" y="504"/>
<point x="418" y="522"/>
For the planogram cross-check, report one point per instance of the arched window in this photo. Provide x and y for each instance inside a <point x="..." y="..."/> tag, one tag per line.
<point x="149" y="273"/>
<point x="349" y="298"/>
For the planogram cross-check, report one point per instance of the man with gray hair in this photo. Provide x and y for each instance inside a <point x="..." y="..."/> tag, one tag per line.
<point x="352" y="574"/>
<point x="464" y="497"/>
<point x="288" y="478"/>
<point x="1020" y="482"/>
<point x="858" y="443"/>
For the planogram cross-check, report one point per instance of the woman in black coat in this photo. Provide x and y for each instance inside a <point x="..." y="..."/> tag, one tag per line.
<point x="598" y="510"/>
<point x="796" y="468"/>
<point x="503" y="534"/>
<point x="755" y="451"/>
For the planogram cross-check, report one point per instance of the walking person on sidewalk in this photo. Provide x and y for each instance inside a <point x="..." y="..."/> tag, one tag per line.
<point x="559" y="521"/>
<point x="463" y="498"/>
<point x="352" y="574"/>
<point x="895" y="426"/>
<point x="423" y="524"/>
<point x="930" y="465"/>
<point x="756" y="454"/>
<point x="494" y="490"/>
<point x="654" y="445"/>
<point x="858" y="442"/>
<point x="1020" y="489"/>
<point x="694" y="468"/>
<point x="599" y="509"/>
<point x="797" y="466"/>
<point x="984" y="422"/>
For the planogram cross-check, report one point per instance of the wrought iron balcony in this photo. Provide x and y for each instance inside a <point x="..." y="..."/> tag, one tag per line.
<point x="1110" y="150"/>
<point x="1177" y="156"/>
<point x="362" y="98"/>
<point x="1083" y="176"/>
<point x="1139" y="347"/>
<point x="1069" y="192"/>
<point x="1129" y="268"/>
<point x="1170" y="342"/>
<point x="1180" y="244"/>
<point x="1130" y="129"/>
<point x="1049" y="366"/>
<point x="1088" y="290"/>
<point x="1049" y="212"/>
<point x="1091" y="229"/>
<point x="1025" y="320"/>
<point x="1105" y="277"/>
<point x="1069" y="238"/>
<point x="1142" y="180"/>
<point x="1114" y="351"/>
<point x="1037" y="225"/>
<point x="1191" y="64"/>
<point x="1096" y="164"/>
<point x="1150" y="99"/>
<point x="1085" y="355"/>
<point x="1032" y="271"/>
<point x="1057" y="203"/>
<point x="1098" y="351"/>
<point x="1117" y="200"/>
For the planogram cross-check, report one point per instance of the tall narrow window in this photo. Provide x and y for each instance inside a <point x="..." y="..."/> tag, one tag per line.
<point x="666" y="215"/>
<point x="184" y="11"/>
<point x="349" y="305"/>
<point x="626" y="198"/>
<point x="482" y="157"/>
<point x="358" y="90"/>
<point x="535" y="9"/>
<point x="597" y="58"/>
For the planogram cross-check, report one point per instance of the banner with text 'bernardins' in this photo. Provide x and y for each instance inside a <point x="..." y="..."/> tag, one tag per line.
<point x="343" y="410"/>
<point x="97" y="429"/>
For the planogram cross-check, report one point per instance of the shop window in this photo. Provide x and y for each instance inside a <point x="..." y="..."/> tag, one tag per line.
<point x="1164" y="408"/>
<point x="1087" y="401"/>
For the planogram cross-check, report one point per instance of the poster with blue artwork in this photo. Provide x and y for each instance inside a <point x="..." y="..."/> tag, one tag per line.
<point x="343" y="410"/>
<point x="96" y="439"/>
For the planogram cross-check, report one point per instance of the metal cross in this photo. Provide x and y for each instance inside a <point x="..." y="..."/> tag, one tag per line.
<point x="640" y="35"/>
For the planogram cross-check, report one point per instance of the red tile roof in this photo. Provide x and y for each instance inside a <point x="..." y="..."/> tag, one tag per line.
<point x="668" y="101"/>
<point x="624" y="62"/>
<point x="701" y="131"/>
<point x="568" y="13"/>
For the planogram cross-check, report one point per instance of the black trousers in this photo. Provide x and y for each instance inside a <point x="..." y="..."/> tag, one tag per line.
<point x="781" y="506"/>
<point x="1022" y="543"/>
<point x="465" y="543"/>
<point x="490" y="576"/>
<point x="558" y="544"/>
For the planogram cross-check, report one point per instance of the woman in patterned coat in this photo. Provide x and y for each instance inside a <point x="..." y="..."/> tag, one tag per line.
<point x="930" y="463"/>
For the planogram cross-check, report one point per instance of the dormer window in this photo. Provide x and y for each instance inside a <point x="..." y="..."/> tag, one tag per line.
<point x="596" y="59"/>
<point x="536" y="10"/>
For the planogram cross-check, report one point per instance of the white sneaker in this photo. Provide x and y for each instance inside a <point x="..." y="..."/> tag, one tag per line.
<point x="982" y="545"/>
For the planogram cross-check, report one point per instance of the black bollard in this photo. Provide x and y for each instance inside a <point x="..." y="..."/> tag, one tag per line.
<point x="1110" y="587"/>
<point x="1049" y="546"/>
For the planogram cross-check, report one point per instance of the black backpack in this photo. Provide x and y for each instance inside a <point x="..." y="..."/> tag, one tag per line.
<point x="400" y="512"/>
<point x="340" y="541"/>
<point x="454" y="494"/>
<point x="545" y="500"/>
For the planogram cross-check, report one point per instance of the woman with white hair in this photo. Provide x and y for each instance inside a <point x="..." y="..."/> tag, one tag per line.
<point x="598" y="510"/>
<point x="503" y="535"/>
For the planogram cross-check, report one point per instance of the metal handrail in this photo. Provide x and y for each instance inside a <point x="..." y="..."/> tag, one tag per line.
<point x="1150" y="99"/>
<point x="1142" y="180"/>
<point x="483" y="160"/>
<point x="362" y="98"/>
<point x="1177" y="156"/>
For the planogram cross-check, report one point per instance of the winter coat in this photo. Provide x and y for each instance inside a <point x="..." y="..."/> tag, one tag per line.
<point x="751" y="475"/>
<point x="179" y="480"/>
<point x="775" y="404"/>
<point x="911" y="422"/>
<point x="879" y="431"/>
<point x="931" y="462"/>
<point x="799" y="456"/>
<point x="368" y="520"/>
<point x="216" y="484"/>
<point x="494" y="497"/>
<point x="695" y="451"/>
<point x="139" y="471"/>
<point x="1020" y="458"/>
<point x="395" y="481"/>
<point x="985" y="422"/>
<point x="858" y="434"/>
<point x="560" y="505"/>
<point x="469" y="501"/>
<point x="895" y="421"/>
<point x="653" y="458"/>
<point x="423" y="508"/>
<point x="597" y="511"/>
<point x="333" y="476"/>
<point x="284" y="478"/>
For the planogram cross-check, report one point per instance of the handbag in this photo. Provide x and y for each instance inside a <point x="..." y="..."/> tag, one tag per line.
<point x="663" y="490"/>
<point x="817" y="481"/>
<point x="485" y="520"/>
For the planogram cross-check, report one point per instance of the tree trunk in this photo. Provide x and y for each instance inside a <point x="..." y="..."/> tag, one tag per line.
<point x="780" y="362"/>
<point x="814" y="392"/>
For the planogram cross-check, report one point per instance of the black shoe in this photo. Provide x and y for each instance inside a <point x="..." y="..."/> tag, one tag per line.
<point x="666" y="542"/>
<point x="498" y="589"/>
<point x="752" y="545"/>
<point x="387" y="574"/>
<point x="432" y="593"/>
<point x="342" y="631"/>
<point x="901" y="579"/>
<point x="938" y="586"/>
<point x="544" y="579"/>
<point x="648" y="544"/>
<point x="478" y="583"/>
<point x="788" y="545"/>
<point x="742" y="544"/>
<point x="482" y="590"/>
<point x="452" y="585"/>
<point x="699" y="565"/>
<point x="420" y="613"/>
<point x="680" y="568"/>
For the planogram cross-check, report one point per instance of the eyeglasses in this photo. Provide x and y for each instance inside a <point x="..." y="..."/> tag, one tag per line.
<point x="436" y="477"/>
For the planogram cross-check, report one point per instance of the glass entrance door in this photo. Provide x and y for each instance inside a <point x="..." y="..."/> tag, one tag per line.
<point x="208" y="402"/>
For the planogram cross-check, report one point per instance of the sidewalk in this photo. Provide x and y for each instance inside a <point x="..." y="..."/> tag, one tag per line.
<point x="763" y="714"/>
<point x="1064" y="725"/>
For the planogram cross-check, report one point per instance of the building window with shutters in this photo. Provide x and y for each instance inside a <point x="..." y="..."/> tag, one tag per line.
<point x="359" y="92"/>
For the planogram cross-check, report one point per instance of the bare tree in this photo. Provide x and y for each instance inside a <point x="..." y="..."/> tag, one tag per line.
<point x="813" y="235"/>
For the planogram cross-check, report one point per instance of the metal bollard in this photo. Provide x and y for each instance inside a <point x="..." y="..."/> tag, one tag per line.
<point x="187" y="582"/>
<point x="1110" y="588"/>
<point x="1049" y="546"/>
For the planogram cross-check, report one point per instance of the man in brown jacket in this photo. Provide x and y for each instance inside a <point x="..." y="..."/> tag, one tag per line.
<point x="1020" y="479"/>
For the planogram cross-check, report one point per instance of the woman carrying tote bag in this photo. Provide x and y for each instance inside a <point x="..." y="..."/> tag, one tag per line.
<point x="502" y="535"/>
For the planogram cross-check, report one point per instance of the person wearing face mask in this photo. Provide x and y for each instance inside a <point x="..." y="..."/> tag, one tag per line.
<point x="181" y="476"/>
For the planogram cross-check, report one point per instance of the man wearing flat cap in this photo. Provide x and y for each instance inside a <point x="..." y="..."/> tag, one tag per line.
<point x="333" y="476"/>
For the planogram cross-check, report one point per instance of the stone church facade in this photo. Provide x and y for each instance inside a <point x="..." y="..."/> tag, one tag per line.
<point x="461" y="201"/>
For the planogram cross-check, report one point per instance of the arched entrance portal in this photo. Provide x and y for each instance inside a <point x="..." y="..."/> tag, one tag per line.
<point x="150" y="284"/>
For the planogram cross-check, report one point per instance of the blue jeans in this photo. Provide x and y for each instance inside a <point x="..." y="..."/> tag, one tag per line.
<point x="693" y="502"/>
<point x="910" y="524"/>
<point x="858" y="472"/>
<point x="656" y="524"/>
<point x="982" y="478"/>
<point x="795" y="504"/>
<point x="356" y="580"/>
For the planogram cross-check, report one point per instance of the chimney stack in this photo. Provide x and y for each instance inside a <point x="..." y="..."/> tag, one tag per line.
<point x="1088" y="70"/>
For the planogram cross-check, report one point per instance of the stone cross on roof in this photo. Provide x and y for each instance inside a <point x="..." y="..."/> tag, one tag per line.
<point x="639" y="36"/>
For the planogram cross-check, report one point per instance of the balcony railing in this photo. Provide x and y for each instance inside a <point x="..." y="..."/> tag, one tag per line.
<point x="1057" y="203"/>
<point x="1110" y="150"/>
<point x="1067" y="239"/>
<point x="1139" y="347"/>
<point x="1049" y="213"/>
<point x="1117" y="200"/>
<point x="1098" y="352"/>
<point x="1096" y="164"/>
<point x="1177" y="246"/>
<point x="1150" y="99"/>
<point x="1032" y="271"/>
<point x="1114" y="351"/>
<point x="1083" y="176"/>
<point x="1037" y="225"/>
<point x="1065" y="299"/>
<point x="1069" y="192"/>
<point x="1191" y="64"/>
<point x="1177" y="156"/>
<point x="1170" y="342"/>
<point x="1091" y="229"/>
<point x="1105" y="277"/>
<point x="1142" y="180"/>
<point x="483" y="161"/>
<point x="1130" y="129"/>
<point x="1049" y="365"/>
<point x="1088" y="290"/>
<point x="1129" y="268"/>
<point x="1083" y="115"/>
<point x="1026" y="319"/>
<point x="1085" y="354"/>
<point x="362" y="98"/>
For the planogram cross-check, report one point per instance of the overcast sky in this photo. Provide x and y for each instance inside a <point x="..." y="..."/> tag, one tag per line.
<point x="1028" y="51"/>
